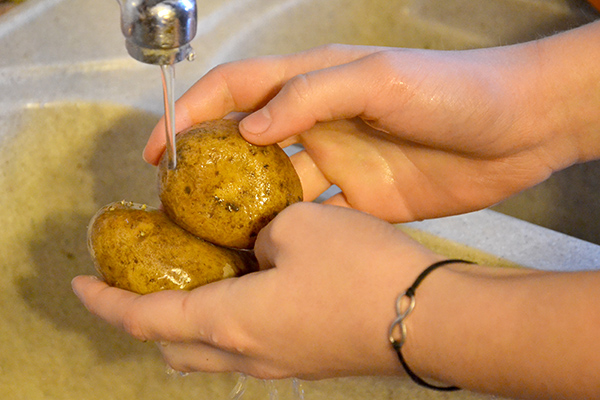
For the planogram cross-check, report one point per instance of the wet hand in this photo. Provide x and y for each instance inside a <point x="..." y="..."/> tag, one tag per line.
<point x="416" y="134"/>
<point x="320" y="307"/>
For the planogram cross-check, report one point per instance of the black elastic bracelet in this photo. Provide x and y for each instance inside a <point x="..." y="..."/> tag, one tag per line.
<point x="399" y="321"/>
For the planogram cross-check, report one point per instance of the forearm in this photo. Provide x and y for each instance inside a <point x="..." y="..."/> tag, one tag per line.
<point x="562" y="93"/>
<point x="512" y="332"/>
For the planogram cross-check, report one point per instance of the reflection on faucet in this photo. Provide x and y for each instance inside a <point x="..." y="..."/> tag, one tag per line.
<point x="159" y="31"/>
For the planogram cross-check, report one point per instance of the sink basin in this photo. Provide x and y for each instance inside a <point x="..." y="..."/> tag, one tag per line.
<point x="75" y="112"/>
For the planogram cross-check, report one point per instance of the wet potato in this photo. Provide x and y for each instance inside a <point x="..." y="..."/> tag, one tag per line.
<point x="138" y="248"/>
<point x="224" y="189"/>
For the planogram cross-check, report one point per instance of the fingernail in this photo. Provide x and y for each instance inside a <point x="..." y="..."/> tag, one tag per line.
<point x="257" y="122"/>
<point x="145" y="157"/>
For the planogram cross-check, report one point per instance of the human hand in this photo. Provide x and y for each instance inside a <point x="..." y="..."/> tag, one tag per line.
<point x="436" y="133"/>
<point x="320" y="306"/>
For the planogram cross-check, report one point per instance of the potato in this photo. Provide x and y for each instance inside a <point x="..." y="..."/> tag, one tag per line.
<point x="224" y="189"/>
<point x="140" y="249"/>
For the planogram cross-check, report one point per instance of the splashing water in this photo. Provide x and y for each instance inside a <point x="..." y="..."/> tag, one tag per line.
<point x="298" y="389"/>
<point x="239" y="389"/>
<point x="242" y="383"/>
<point x="273" y="395"/>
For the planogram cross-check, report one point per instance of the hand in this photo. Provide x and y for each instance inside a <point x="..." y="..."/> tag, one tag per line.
<point x="323" y="302"/>
<point x="320" y="307"/>
<point x="419" y="134"/>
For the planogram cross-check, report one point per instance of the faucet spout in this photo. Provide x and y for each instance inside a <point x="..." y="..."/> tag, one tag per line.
<point x="159" y="31"/>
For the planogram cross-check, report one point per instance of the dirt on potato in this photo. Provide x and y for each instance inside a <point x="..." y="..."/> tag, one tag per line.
<point x="138" y="248"/>
<point x="224" y="189"/>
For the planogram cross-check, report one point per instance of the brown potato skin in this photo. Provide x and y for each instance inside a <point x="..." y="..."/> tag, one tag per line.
<point x="138" y="248"/>
<point x="224" y="189"/>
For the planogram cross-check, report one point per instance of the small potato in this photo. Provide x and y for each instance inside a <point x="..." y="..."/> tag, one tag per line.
<point x="138" y="248"/>
<point x="224" y="189"/>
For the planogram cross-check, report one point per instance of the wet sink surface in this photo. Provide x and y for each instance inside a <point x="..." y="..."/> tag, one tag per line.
<point x="80" y="156"/>
<point x="75" y="112"/>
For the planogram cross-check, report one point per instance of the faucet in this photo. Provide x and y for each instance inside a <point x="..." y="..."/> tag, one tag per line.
<point x="159" y="31"/>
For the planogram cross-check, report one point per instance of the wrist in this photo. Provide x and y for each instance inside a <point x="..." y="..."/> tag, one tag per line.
<point x="563" y="95"/>
<point x="405" y="304"/>
<point x="427" y="329"/>
<point x="453" y="324"/>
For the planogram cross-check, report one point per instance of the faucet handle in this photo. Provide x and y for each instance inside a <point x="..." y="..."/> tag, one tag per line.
<point x="159" y="31"/>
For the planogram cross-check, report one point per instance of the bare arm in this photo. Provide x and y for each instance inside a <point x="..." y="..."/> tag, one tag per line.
<point x="462" y="129"/>
<point x="515" y="332"/>
<point x="438" y="133"/>
<point x="522" y="333"/>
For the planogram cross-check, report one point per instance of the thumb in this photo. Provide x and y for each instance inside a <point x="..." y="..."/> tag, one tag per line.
<point x="339" y="92"/>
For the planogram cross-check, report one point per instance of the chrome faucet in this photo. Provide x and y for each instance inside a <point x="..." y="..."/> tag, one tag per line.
<point x="159" y="31"/>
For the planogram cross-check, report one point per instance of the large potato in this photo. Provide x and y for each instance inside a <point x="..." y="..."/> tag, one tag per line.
<point x="224" y="189"/>
<point x="140" y="249"/>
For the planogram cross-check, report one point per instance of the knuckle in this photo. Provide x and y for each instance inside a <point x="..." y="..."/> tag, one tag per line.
<point x="298" y="210"/>
<point x="301" y="88"/>
<point x="133" y="324"/>
<point x="176" y="364"/>
<point x="294" y="221"/>
<point x="385" y="63"/>
<point x="269" y="373"/>
<point x="331" y="48"/>
<point x="234" y="341"/>
<point x="291" y="218"/>
<point x="390" y="79"/>
<point x="384" y="59"/>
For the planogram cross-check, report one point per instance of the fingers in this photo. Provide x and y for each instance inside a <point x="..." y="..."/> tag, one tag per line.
<point x="103" y="300"/>
<point x="191" y="357"/>
<point x="284" y="235"/>
<point x="194" y="356"/>
<point x="323" y="95"/>
<point x="313" y="181"/>
<point x="338" y="199"/>
<point x="161" y="316"/>
<point x="245" y="86"/>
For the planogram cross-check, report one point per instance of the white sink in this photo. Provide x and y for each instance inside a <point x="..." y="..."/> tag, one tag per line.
<point x="75" y="111"/>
